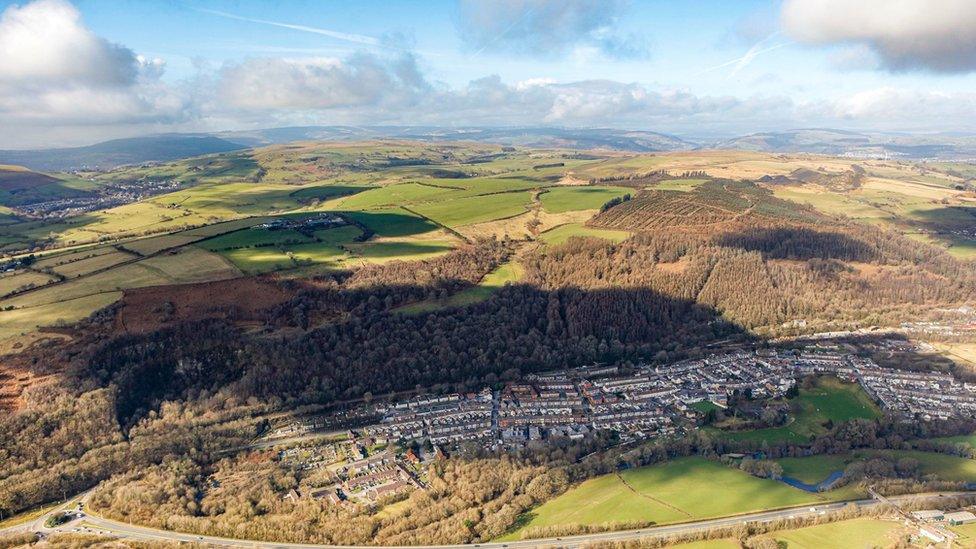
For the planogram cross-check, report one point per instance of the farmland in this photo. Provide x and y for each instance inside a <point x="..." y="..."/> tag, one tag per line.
<point x="412" y="201"/>
<point x="868" y="532"/>
<point x="565" y="199"/>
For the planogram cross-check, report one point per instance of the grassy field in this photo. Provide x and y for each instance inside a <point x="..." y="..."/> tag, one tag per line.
<point x="92" y="264"/>
<point x="28" y="319"/>
<point x="510" y="272"/>
<point x="815" y="468"/>
<point x="567" y="199"/>
<point x="476" y="209"/>
<point x="681" y="490"/>
<point x="392" y="250"/>
<point x="848" y="534"/>
<point x="678" y="184"/>
<point x="959" y="352"/>
<point x="563" y="233"/>
<point x="966" y="533"/>
<point x="830" y="399"/>
<point x="22" y="279"/>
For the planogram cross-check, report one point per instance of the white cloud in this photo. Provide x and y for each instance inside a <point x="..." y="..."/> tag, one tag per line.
<point x="55" y="72"/>
<point x="319" y="83"/>
<point x="546" y="27"/>
<point x="45" y="42"/>
<point x="936" y="35"/>
<point x="907" y="108"/>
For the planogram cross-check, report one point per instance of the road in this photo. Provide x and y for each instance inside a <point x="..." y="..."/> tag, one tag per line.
<point x="92" y="523"/>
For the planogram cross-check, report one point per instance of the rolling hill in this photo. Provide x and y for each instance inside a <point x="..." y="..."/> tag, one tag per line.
<point x="117" y="152"/>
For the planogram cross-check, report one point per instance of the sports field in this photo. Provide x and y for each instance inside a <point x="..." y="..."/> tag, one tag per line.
<point x="681" y="490"/>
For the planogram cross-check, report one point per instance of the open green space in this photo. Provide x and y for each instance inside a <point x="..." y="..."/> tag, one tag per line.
<point x="704" y="406"/>
<point x="678" y="184"/>
<point x="587" y="197"/>
<point x="829" y="400"/>
<point x="510" y="272"/>
<point x="254" y="237"/>
<point x="384" y="251"/>
<point x="846" y="534"/>
<point x="562" y="233"/>
<point x="681" y="490"/>
<point x="392" y="222"/>
<point x="814" y="469"/>
<point x="476" y="209"/>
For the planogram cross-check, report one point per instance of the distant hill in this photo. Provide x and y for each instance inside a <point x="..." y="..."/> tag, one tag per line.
<point x="117" y="152"/>
<point x="840" y="142"/>
<point x="19" y="186"/>
<point x="573" y="138"/>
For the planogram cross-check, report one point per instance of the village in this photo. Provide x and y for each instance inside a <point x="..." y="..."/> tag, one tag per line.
<point x="644" y="402"/>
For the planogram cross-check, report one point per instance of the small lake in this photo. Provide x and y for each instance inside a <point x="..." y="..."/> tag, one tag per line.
<point x="824" y="484"/>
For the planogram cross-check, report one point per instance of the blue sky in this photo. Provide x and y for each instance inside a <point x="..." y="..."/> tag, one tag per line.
<point x="696" y="68"/>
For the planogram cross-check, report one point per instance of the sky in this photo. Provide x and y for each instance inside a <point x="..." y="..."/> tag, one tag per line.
<point x="78" y="72"/>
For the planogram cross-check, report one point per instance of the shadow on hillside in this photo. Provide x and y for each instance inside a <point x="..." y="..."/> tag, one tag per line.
<point x="798" y="243"/>
<point x="364" y="346"/>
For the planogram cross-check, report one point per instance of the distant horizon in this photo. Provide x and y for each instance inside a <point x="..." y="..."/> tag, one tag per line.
<point x="704" y="141"/>
<point x="86" y="71"/>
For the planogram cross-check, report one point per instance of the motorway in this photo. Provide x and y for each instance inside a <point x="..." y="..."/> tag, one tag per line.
<point x="99" y="525"/>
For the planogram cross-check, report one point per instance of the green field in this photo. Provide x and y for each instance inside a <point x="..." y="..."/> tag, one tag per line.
<point x="681" y="490"/>
<point x="562" y="233"/>
<point x="508" y="273"/>
<point x="384" y="251"/>
<point x="22" y="279"/>
<point x="476" y="209"/>
<point x="815" y="468"/>
<point x="567" y="199"/>
<point x="254" y="237"/>
<point x="830" y="399"/>
<point x="705" y="406"/>
<point x="847" y="534"/>
<point x="392" y="222"/>
<point x="258" y="250"/>
<point x="968" y="440"/>
<point x="678" y="184"/>
<point x="966" y="533"/>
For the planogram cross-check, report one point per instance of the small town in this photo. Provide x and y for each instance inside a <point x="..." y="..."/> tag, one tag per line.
<point x="646" y="402"/>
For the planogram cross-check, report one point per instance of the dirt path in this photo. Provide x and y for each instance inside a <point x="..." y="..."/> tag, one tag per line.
<point x="652" y="498"/>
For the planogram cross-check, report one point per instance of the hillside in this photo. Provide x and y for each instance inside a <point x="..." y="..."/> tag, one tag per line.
<point x="19" y="186"/>
<point x="293" y="276"/>
<point x="110" y="154"/>
<point x="857" y="144"/>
